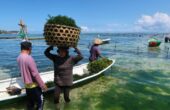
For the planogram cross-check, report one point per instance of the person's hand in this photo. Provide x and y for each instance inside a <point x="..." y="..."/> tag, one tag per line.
<point x="45" y="88"/>
<point x="75" y="49"/>
<point x="73" y="46"/>
<point x="51" y="47"/>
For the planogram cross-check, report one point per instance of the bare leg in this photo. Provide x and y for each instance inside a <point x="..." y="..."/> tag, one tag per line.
<point x="66" y="93"/>
<point x="57" y="92"/>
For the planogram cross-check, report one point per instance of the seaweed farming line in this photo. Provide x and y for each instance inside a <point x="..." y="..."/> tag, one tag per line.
<point x="141" y="51"/>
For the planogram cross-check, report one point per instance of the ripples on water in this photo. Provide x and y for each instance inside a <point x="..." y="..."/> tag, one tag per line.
<point x="140" y="77"/>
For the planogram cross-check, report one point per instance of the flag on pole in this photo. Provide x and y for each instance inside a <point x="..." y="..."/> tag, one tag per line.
<point x="23" y="31"/>
<point x="22" y="34"/>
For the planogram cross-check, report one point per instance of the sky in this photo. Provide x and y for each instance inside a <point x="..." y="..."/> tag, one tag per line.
<point x="91" y="15"/>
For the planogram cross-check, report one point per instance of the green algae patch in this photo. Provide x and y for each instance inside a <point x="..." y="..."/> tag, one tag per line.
<point x="111" y="93"/>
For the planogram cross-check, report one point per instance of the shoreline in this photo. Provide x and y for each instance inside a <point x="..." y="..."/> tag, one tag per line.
<point x="37" y="38"/>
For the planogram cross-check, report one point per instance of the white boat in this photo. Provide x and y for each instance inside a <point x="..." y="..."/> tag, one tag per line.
<point x="105" y="41"/>
<point x="46" y="76"/>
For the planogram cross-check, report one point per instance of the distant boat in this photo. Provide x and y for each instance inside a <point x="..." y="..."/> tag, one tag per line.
<point x="105" y="41"/>
<point x="167" y="38"/>
<point x="153" y="42"/>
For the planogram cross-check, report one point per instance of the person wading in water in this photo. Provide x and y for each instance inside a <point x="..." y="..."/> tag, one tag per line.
<point x="63" y="68"/>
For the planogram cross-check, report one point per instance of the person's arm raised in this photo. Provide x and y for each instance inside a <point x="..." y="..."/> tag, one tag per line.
<point x="79" y="55"/>
<point x="48" y="54"/>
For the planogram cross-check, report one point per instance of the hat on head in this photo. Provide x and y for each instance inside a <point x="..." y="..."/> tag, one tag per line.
<point x="26" y="44"/>
<point x="97" y="41"/>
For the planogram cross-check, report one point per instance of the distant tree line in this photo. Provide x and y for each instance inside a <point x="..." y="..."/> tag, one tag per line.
<point x="8" y="32"/>
<point x="2" y="31"/>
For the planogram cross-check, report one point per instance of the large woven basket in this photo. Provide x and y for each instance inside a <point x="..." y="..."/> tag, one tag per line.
<point x="61" y="35"/>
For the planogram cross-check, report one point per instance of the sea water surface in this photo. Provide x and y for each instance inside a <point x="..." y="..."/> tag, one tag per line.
<point x="139" y="80"/>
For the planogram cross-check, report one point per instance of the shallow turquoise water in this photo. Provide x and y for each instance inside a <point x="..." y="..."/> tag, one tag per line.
<point x="139" y="80"/>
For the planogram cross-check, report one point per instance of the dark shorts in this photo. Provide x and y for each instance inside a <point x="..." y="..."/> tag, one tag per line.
<point x="34" y="97"/>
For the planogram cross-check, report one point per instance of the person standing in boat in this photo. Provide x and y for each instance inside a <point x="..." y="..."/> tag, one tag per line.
<point x="63" y="68"/>
<point x="94" y="50"/>
<point x="31" y="77"/>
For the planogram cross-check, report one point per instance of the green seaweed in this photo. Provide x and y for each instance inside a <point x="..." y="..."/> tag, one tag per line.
<point x="98" y="65"/>
<point x="50" y="84"/>
<point x="61" y="20"/>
